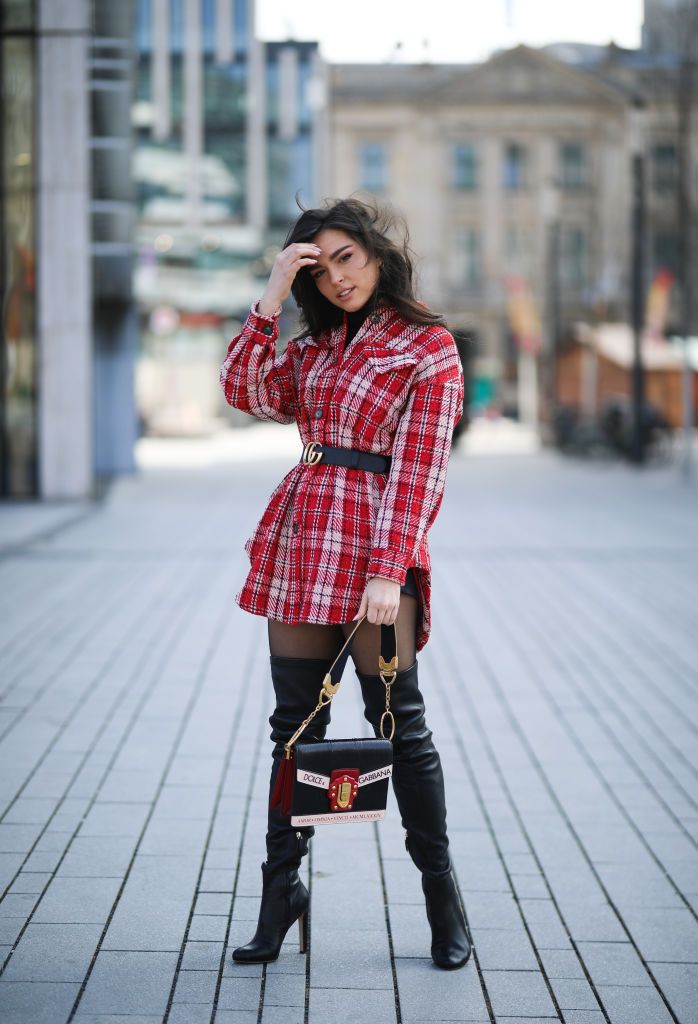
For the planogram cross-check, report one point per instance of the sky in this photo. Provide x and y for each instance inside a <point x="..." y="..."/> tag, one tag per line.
<point x="456" y="31"/>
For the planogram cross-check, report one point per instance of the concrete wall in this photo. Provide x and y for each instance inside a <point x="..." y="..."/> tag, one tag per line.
<point x="63" y="228"/>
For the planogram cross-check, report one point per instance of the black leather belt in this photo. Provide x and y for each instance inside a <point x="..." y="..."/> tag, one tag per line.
<point x="352" y="458"/>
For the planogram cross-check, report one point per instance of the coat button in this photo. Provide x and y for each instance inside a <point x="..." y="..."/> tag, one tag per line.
<point x="268" y="329"/>
<point x="318" y="414"/>
<point x="375" y="318"/>
<point x="295" y="527"/>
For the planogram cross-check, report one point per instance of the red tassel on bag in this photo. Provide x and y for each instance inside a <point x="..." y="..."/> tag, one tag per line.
<point x="283" y="787"/>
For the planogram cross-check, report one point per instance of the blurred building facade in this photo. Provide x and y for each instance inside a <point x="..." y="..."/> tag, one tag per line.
<point x="228" y="130"/>
<point x="152" y="150"/>
<point x="67" y="417"/>
<point x="517" y="170"/>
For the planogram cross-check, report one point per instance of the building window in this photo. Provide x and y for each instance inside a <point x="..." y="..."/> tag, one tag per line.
<point x="464" y="264"/>
<point x="573" y="165"/>
<point x="514" y="166"/>
<point x="665" y="251"/>
<point x="573" y="258"/>
<point x="372" y="166"/>
<point x="664" y="168"/>
<point x="464" y="166"/>
<point x="517" y="255"/>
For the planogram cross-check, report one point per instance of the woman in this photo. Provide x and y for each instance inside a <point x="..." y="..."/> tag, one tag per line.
<point x="375" y="385"/>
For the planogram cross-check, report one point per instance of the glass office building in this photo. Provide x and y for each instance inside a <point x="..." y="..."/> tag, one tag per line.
<point x="18" y="362"/>
<point x="228" y="130"/>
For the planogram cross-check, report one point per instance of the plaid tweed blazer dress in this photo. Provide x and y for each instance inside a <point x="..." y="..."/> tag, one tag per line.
<point x="396" y="390"/>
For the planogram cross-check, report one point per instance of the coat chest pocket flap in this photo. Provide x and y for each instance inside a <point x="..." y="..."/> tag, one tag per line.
<point x="390" y="375"/>
<point x="392" y="362"/>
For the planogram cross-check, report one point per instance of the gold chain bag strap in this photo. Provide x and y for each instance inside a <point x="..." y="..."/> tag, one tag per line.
<point x="341" y="779"/>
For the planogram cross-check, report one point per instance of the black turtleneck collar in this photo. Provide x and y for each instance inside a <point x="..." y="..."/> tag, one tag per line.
<point x="355" y="319"/>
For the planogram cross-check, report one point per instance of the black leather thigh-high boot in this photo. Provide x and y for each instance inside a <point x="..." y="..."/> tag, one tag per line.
<point x="418" y="784"/>
<point x="285" y="899"/>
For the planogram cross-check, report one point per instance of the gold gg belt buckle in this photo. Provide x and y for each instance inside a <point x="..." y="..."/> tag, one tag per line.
<point x="310" y="455"/>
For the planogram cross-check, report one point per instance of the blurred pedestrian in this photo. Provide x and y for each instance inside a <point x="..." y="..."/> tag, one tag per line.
<point x="375" y="383"/>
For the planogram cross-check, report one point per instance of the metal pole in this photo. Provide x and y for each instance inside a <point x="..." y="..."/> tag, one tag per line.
<point x="638" y="248"/>
<point x="687" y="40"/>
<point x="554" y="312"/>
<point x="688" y="412"/>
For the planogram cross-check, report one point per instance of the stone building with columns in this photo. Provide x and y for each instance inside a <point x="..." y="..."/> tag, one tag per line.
<point x="519" y="166"/>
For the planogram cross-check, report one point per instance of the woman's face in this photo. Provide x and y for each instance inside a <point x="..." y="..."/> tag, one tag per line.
<point x="344" y="273"/>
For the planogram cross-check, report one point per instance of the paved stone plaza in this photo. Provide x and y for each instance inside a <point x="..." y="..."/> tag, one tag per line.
<point x="560" y="681"/>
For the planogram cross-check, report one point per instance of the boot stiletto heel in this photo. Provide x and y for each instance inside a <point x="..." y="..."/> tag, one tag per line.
<point x="303" y="933"/>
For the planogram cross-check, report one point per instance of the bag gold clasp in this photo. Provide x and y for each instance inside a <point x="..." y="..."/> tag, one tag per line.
<point x="344" y="785"/>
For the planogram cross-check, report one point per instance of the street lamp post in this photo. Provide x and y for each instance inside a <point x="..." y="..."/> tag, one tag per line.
<point x="637" y="451"/>
<point x="550" y="202"/>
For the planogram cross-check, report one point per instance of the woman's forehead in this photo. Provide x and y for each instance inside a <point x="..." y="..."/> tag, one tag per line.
<point x="332" y="238"/>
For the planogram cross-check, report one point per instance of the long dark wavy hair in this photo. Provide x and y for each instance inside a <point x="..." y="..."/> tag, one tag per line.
<point x="369" y="224"/>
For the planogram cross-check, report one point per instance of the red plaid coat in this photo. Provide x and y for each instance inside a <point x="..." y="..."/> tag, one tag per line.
<point x="397" y="389"/>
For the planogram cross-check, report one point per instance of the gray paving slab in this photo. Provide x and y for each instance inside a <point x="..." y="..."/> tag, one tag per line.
<point x="574" y="994"/>
<point x="119" y="1018"/>
<point x="664" y="934"/>
<point x="518" y="992"/>
<point x="289" y="990"/>
<point x="353" y="1005"/>
<point x="245" y="1016"/>
<point x="34" y="1002"/>
<point x="54" y="952"/>
<point x="564" y="722"/>
<point x="154" y="905"/>
<point x="98" y="856"/>
<point x="614" y="963"/>
<point x="77" y="901"/>
<point x="505" y="949"/>
<point x="196" y="987"/>
<point x="239" y="993"/>
<point x="335" y="959"/>
<point x="527" y="1020"/>
<point x="679" y="984"/>
<point x="562" y="963"/>
<point x="280" y="1015"/>
<point x="429" y="993"/>
<point x="626" y="1005"/>
<point x="30" y="881"/>
<point x="189" y="1013"/>
<point x="124" y="982"/>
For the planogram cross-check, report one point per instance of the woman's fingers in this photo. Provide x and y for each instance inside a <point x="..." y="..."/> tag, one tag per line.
<point x="380" y="602"/>
<point x="382" y="616"/>
<point x="300" y="249"/>
<point x="286" y="265"/>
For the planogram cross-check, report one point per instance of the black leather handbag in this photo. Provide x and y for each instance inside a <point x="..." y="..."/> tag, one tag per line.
<point x="342" y="780"/>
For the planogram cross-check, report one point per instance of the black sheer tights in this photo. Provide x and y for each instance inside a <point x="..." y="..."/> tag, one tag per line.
<point x="311" y="640"/>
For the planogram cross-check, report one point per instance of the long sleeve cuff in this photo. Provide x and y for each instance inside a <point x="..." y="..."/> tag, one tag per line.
<point x="390" y="564"/>
<point x="264" y="326"/>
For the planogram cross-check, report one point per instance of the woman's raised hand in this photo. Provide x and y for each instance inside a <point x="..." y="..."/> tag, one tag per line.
<point x="286" y="265"/>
